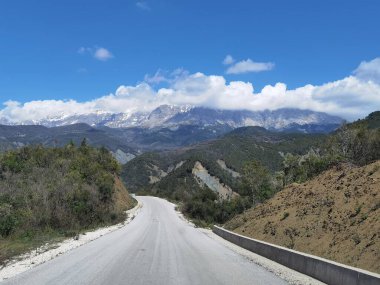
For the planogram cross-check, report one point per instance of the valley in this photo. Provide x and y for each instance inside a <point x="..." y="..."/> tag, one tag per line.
<point x="257" y="182"/>
<point x="161" y="142"/>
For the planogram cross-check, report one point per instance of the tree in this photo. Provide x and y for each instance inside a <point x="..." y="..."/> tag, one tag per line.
<point x="71" y="144"/>
<point x="257" y="179"/>
<point x="84" y="146"/>
<point x="299" y="168"/>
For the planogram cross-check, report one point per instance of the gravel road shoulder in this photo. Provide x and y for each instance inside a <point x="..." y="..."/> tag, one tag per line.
<point x="48" y="251"/>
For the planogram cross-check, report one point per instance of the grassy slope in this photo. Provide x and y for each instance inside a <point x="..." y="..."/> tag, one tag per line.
<point x="336" y="216"/>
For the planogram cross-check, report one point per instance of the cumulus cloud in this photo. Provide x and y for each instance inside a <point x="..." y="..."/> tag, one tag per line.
<point x="98" y="53"/>
<point x="228" y="60"/>
<point x="369" y="70"/>
<point x="351" y="97"/>
<point x="143" y="5"/>
<point x="249" y="65"/>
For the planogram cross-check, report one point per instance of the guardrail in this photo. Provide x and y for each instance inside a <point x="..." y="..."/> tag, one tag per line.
<point x="321" y="269"/>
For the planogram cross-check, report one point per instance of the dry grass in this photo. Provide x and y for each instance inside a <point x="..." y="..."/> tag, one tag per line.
<point x="335" y="216"/>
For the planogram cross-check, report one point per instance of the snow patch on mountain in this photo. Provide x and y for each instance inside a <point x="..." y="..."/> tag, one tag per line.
<point x="170" y="116"/>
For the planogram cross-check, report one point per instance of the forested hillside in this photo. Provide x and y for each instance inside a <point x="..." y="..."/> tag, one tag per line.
<point x="55" y="192"/>
<point x="169" y="174"/>
<point x="235" y="148"/>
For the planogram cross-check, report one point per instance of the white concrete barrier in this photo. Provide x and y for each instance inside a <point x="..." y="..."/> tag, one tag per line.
<point x="327" y="271"/>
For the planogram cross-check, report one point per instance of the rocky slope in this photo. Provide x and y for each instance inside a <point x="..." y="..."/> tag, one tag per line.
<point x="335" y="216"/>
<point x="223" y="157"/>
<point x="203" y="177"/>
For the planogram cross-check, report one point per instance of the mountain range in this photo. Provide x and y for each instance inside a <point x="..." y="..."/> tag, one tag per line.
<point x="168" y="116"/>
<point x="165" y="128"/>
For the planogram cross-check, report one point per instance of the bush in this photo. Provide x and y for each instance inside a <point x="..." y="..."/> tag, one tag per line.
<point x="62" y="189"/>
<point x="299" y="168"/>
<point x="8" y="220"/>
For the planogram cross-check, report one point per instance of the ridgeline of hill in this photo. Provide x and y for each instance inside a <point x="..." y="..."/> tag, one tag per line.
<point x="12" y="137"/>
<point x="49" y="193"/>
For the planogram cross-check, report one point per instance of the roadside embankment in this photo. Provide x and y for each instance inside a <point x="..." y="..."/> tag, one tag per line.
<point x="322" y="269"/>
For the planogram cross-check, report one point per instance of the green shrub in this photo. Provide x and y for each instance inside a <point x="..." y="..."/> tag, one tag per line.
<point x="8" y="220"/>
<point x="286" y="214"/>
<point x="59" y="189"/>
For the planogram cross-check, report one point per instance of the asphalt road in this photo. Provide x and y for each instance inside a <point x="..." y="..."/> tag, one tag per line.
<point x="157" y="247"/>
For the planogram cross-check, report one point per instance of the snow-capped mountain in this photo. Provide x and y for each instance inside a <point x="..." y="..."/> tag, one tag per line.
<point x="167" y="116"/>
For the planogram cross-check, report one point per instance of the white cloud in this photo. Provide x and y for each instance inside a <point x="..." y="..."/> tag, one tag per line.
<point x="143" y="5"/>
<point x="228" y="60"/>
<point x="102" y="54"/>
<point x="163" y="76"/>
<point x="351" y="97"/>
<point x="98" y="53"/>
<point x="248" y="65"/>
<point x="369" y="70"/>
<point x="159" y="77"/>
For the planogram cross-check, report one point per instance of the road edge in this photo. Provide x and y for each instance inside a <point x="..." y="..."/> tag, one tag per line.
<point x="289" y="275"/>
<point x="42" y="254"/>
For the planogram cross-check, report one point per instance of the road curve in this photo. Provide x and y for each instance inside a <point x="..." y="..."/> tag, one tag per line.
<point x="157" y="247"/>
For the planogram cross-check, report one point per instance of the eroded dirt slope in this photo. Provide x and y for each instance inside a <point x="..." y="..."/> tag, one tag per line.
<point x="335" y="216"/>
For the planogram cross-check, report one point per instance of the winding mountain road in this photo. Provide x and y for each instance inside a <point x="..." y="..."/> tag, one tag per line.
<point x="157" y="247"/>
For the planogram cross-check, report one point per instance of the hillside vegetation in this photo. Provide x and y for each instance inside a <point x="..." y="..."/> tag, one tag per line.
<point x="336" y="215"/>
<point x="55" y="192"/>
<point x="256" y="163"/>
<point x="331" y="204"/>
<point x="170" y="174"/>
<point x="13" y="137"/>
<point x="357" y="143"/>
<point x="235" y="149"/>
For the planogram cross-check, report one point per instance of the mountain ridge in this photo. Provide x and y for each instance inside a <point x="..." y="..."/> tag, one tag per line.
<point x="170" y="116"/>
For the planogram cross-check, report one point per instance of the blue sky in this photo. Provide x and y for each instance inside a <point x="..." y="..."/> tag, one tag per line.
<point x="47" y="47"/>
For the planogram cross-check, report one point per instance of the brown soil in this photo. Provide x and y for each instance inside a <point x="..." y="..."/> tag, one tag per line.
<point x="335" y="216"/>
<point x="123" y="201"/>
